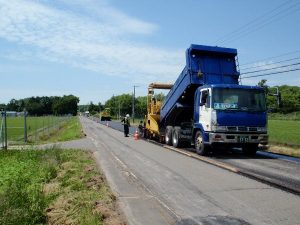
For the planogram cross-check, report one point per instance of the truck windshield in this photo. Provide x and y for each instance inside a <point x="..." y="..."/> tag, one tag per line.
<point x="238" y="99"/>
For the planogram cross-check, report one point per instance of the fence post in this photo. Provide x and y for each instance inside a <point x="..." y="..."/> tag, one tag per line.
<point x="5" y="131"/>
<point x="25" y="126"/>
<point x="2" y="130"/>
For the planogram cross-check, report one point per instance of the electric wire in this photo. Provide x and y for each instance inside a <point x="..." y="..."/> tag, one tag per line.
<point x="278" y="67"/>
<point x="268" y="74"/>
<point x="269" y="64"/>
<point x="245" y="30"/>
<point x="272" y="57"/>
<point x="251" y="22"/>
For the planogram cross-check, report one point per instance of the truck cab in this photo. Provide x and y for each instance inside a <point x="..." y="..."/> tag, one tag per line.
<point x="231" y="116"/>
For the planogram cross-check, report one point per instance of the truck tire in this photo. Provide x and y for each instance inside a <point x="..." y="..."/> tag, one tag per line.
<point x="250" y="149"/>
<point x="200" y="147"/>
<point x="168" y="137"/>
<point x="176" y="137"/>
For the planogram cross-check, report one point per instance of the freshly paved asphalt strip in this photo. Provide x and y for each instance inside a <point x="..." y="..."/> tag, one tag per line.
<point x="158" y="186"/>
<point x="277" y="170"/>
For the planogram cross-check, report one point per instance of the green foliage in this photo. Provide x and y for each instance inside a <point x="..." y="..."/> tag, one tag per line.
<point x="93" y="109"/>
<point x="66" y="105"/>
<point x="25" y="198"/>
<point x="122" y="102"/>
<point x="22" y="175"/>
<point x="39" y="106"/>
<point x="289" y="98"/>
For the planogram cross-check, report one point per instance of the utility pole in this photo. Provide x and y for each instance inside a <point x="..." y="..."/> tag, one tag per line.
<point x="133" y="100"/>
<point x="119" y="110"/>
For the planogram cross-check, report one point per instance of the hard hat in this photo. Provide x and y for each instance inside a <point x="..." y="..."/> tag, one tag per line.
<point x="127" y="115"/>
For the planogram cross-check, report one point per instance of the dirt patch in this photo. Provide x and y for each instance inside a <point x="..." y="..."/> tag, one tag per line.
<point x="51" y="188"/>
<point x="284" y="150"/>
<point x="110" y="213"/>
<point x="81" y="196"/>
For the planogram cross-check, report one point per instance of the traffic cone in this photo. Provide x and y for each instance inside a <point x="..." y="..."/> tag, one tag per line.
<point x="136" y="135"/>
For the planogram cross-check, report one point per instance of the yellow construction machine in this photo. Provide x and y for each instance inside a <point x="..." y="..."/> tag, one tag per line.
<point x="153" y="111"/>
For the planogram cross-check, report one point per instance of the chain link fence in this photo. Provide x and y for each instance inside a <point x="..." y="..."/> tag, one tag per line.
<point x="19" y="128"/>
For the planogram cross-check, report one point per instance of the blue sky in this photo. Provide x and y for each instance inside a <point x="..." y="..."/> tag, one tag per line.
<point x="98" y="48"/>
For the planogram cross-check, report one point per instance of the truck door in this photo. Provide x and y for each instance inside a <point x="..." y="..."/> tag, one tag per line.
<point x="205" y="109"/>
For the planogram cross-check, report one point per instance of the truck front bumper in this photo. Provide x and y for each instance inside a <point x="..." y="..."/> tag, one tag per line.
<point x="238" y="138"/>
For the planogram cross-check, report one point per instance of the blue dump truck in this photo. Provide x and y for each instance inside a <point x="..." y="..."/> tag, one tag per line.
<point x="206" y="107"/>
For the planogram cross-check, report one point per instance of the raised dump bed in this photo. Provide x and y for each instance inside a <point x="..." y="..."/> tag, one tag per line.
<point x="204" y="65"/>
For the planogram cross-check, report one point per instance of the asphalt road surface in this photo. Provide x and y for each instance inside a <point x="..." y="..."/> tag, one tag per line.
<point x="281" y="171"/>
<point x="159" y="186"/>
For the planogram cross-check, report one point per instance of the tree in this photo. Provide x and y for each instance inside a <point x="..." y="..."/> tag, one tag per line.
<point x="122" y="103"/>
<point x="12" y="105"/>
<point x="141" y="106"/>
<point x="93" y="109"/>
<point x="66" y="105"/>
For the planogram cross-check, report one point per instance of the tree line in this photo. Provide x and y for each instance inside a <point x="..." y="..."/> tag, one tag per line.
<point x="39" y="106"/>
<point x="120" y="105"/>
<point x="286" y="100"/>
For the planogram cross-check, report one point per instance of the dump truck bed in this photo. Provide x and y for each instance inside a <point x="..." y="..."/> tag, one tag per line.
<point x="204" y="65"/>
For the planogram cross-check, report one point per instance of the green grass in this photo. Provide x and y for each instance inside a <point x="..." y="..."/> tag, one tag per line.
<point x="285" y="132"/>
<point x="15" y="125"/>
<point x="280" y="116"/>
<point x="68" y="131"/>
<point x="43" y="129"/>
<point x="52" y="186"/>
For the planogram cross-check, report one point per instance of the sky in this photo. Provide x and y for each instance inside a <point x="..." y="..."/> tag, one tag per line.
<point x="95" y="49"/>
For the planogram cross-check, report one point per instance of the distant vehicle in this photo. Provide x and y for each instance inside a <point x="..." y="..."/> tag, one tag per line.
<point x="86" y="113"/>
<point x="105" y="115"/>
<point x="206" y="107"/>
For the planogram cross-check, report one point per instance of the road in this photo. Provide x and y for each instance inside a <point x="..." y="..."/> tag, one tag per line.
<point x="159" y="186"/>
<point x="278" y="170"/>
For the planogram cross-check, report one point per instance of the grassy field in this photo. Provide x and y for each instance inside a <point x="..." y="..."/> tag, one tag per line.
<point x="53" y="187"/>
<point x="15" y="125"/>
<point x="69" y="130"/>
<point x="43" y="129"/>
<point x="286" y="132"/>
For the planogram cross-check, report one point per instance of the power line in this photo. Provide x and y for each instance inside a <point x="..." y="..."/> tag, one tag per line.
<point x="268" y="64"/>
<point x="263" y="25"/>
<point x="267" y="74"/>
<point x="278" y="67"/>
<point x="260" y="22"/>
<point x="251" y="22"/>
<point x="272" y="57"/>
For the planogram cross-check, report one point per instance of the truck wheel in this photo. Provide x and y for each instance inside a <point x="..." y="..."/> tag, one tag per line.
<point x="169" y="132"/>
<point x="201" y="149"/>
<point x="250" y="149"/>
<point x="176" y="137"/>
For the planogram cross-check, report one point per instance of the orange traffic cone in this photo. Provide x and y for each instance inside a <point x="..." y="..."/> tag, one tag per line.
<point x="136" y="135"/>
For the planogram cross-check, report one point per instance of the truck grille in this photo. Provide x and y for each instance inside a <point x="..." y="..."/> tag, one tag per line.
<point x="241" y="129"/>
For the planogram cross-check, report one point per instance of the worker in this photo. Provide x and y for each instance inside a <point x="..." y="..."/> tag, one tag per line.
<point x="141" y="128"/>
<point x="126" y="124"/>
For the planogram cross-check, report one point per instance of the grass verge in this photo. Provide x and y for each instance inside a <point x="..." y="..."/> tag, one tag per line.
<point x="68" y="131"/>
<point x="54" y="187"/>
<point x="284" y="132"/>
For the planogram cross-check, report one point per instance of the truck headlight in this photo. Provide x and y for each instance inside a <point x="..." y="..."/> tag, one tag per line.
<point x="219" y="128"/>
